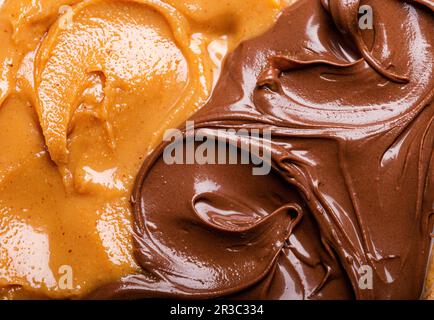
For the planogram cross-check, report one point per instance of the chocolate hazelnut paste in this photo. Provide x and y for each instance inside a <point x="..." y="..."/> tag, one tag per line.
<point x="352" y="183"/>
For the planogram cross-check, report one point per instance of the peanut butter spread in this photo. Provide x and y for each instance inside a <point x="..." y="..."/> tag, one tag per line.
<point x="87" y="89"/>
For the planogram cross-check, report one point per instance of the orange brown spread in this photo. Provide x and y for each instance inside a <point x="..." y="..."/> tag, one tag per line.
<point x="430" y="281"/>
<point x="87" y="89"/>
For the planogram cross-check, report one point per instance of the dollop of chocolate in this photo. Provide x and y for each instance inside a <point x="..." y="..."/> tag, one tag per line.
<point x="352" y="183"/>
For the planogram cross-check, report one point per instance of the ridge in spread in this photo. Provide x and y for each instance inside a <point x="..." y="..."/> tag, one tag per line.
<point x="86" y="90"/>
<point x="352" y="184"/>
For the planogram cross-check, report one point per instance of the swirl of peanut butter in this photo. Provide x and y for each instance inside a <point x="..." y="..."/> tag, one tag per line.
<point x="352" y="183"/>
<point x="61" y="77"/>
<point x="113" y="75"/>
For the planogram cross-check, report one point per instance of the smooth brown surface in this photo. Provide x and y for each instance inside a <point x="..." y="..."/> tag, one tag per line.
<point x="352" y="118"/>
<point x="85" y="94"/>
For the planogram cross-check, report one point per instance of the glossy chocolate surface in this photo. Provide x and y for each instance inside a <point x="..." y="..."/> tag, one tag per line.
<point x="352" y="186"/>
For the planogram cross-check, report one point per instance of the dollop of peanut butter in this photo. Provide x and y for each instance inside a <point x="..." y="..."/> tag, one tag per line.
<point x="87" y="89"/>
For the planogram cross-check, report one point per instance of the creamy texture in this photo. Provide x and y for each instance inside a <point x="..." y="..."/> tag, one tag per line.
<point x="429" y="287"/>
<point x="352" y="119"/>
<point x="86" y="90"/>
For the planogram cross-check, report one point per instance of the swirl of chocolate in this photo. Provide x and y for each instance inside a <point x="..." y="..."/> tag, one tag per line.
<point x="352" y="184"/>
